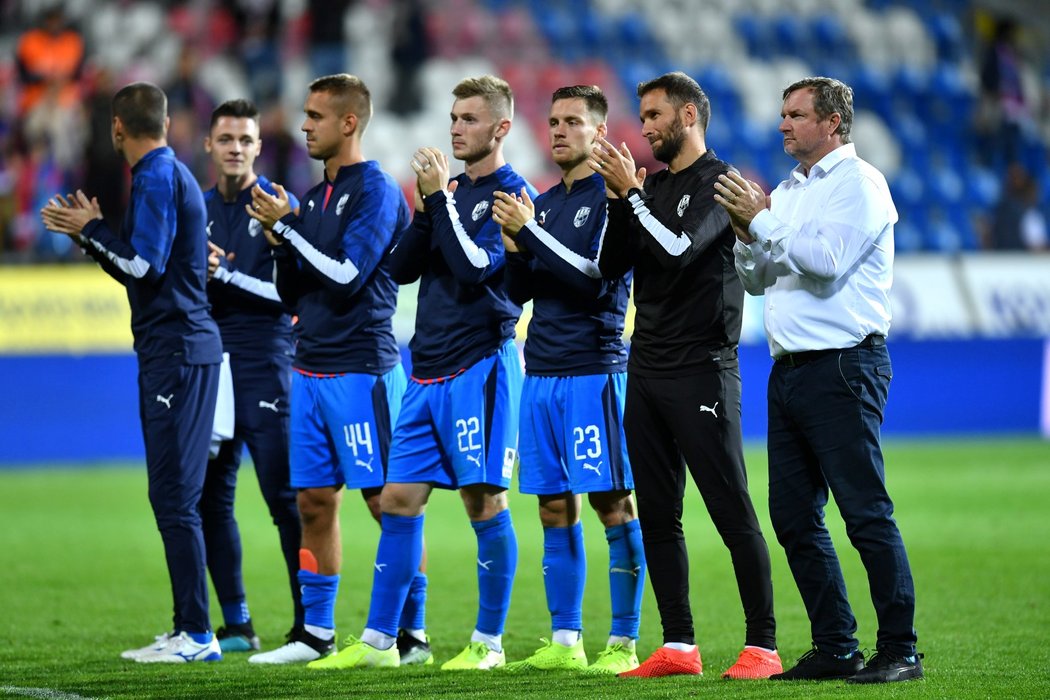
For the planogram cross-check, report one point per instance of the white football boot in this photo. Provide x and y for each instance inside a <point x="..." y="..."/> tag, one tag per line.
<point x="159" y="642"/>
<point x="181" y="649"/>
<point x="300" y="648"/>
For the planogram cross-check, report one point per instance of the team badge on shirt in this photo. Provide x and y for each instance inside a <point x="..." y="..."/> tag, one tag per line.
<point x="581" y="216"/>
<point x="479" y="210"/>
<point x="341" y="203"/>
<point x="254" y="228"/>
<point x="683" y="204"/>
<point x="207" y="229"/>
<point x="543" y="217"/>
<point x="310" y="204"/>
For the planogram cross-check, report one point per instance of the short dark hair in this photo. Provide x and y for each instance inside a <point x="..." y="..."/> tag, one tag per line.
<point x="495" y="91"/>
<point x="143" y="110"/>
<point x="591" y="95"/>
<point x="681" y="90"/>
<point x="351" y="91"/>
<point x="238" y="109"/>
<point x="830" y="96"/>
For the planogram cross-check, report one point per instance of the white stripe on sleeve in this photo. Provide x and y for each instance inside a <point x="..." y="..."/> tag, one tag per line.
<point x="339" y="272"/>
<point x="478" y="257"/>
<point x="252" y="285"/>
<point x="674" y="245"/>
<point x="136" y="267"/>
<point x="587" y="267"/>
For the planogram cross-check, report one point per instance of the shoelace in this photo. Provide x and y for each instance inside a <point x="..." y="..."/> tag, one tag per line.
<point x="807" y="656"/>
<point x="614" y="649"/>
<point x="883" y="660"/>
<point x="753" y="656"/>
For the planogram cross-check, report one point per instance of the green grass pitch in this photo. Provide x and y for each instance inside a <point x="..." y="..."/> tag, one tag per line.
<point x="82" y="578"/>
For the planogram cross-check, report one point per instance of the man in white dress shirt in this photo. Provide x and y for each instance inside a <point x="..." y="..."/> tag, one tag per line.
<point x="820" y="249"/>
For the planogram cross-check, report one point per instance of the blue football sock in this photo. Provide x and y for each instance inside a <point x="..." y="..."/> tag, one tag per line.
<point x="235" y="613"/>
<point x="626" y="577"/>
<point x="564" y="575"/>
<point x="497" y="562"/>
<point x="397" y="562"/>
<point x="414" y="614"/>
<point x="319" y="592"/>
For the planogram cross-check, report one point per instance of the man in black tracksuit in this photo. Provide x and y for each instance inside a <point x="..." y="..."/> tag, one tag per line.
<point x="683" y="386"/>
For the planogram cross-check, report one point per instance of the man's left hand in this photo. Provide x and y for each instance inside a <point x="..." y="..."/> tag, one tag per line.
<point x="742" y="199"/>
<point x="512" y="212"/>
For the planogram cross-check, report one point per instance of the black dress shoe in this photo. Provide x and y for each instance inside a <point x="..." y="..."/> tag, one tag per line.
<point x="817" y="665"/>
<point x="889" y="668"/>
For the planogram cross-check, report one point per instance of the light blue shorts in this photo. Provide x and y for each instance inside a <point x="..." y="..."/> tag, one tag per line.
<point x="572" y="435"/>
<point x="341" y="426"/>
<point x="463" y="430"/>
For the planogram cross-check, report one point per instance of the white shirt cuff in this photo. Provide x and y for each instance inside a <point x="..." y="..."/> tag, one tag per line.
<point x="763" y="226"/>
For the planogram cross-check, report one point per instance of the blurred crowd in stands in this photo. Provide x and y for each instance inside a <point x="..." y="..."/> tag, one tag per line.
<point x="60" y="62"/>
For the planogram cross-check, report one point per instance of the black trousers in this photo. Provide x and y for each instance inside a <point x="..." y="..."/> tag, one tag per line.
<point x="824" y="436"/>
<point x="694" y="422"/>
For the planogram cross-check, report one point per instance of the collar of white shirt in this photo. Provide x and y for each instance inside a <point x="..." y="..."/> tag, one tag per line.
<point x="826" y="164"/>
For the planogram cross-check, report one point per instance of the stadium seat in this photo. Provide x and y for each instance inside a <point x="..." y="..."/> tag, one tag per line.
<point x="876" y="143"/>
<point x="792" y="36"/>
<point x="983" y="187"/>
<point x="909" y="192"/>
<point x="755" y="33"/>
<point x="948" y="36"/>
<point x="940" y="235"/>
<point x="947" y="187"/>
<point x="907" y="238"/>
<point x="831" y="40"/>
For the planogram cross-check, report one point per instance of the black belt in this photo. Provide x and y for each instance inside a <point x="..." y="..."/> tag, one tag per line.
<point x="794" y="359"/>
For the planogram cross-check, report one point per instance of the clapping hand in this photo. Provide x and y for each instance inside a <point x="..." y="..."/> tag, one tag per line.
<point x="70" y="214"/>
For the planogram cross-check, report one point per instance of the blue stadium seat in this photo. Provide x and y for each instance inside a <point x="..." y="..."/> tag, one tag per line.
<point x="594" y="33"/>
<point x="791" y="35"/>
<point x="947" y="33"/>
<point x="872" y="89"/>
<point x="946" y="186"/>
<point x="832" y="40"/>
<point x="908" y="190"/>
<point x="940" y="234"/>
<point x="910" y="82"/>
<point x="962" y="220"/>
<point x="632" y="31"/>
<point x="632" y="72"/>
<point x="907" y="237"/>
<point x="983" y="187"/>
<point x="718" y="84"/>
<point x="559" y="29"/>
<point x="914" y="140"/>
<point x="756" y="35"/>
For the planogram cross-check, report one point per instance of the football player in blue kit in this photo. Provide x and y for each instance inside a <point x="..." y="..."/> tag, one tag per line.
<point x="160" y="256"/>
<point x="257" y="333"/>
<point x="572" y="439"/>
<point x="459" y="421"/>
<point x="332" y="266"/>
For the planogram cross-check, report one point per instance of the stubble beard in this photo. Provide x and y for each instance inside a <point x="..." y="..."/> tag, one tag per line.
<point x="671" y="143"/>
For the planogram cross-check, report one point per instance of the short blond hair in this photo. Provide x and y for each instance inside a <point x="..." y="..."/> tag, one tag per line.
<point x="495" y="91"/>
